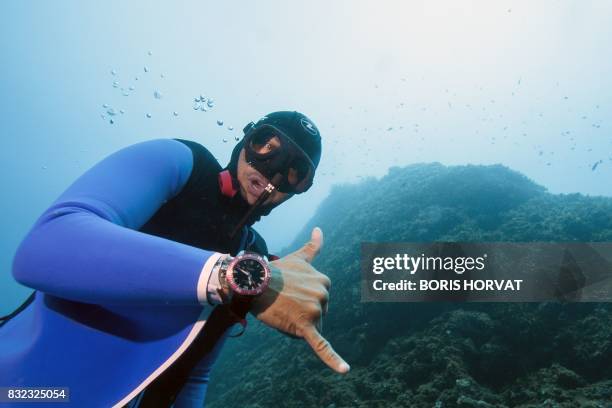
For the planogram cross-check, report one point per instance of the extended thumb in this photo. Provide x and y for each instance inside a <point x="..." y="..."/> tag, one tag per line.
<point x="312" y="248"/>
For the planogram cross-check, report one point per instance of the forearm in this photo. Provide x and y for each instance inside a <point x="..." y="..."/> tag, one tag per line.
<point x="81" y="257"/>
<point x="87" y="246"/>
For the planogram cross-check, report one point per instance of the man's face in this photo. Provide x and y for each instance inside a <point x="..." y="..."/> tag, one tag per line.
<point x="252" y="183"/>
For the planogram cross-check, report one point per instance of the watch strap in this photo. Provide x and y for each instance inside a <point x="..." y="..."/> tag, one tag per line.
<point x="239" y="305"/>
<point x="239" y="308"/>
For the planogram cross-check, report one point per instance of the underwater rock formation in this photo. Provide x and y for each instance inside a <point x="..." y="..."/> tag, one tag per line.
<point x="435" y="354"/>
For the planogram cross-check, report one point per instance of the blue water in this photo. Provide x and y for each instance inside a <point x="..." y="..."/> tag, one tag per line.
<point x="520" y="83"/>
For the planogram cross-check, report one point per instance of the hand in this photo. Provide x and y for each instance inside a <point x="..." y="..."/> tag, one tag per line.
<point x="297" y="298"/>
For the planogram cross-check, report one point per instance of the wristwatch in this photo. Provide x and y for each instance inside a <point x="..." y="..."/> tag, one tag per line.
<point x="244" y="277"/>
<point x="248" y="275"/>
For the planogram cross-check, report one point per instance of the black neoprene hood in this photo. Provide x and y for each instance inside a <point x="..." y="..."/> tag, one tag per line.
<point x="299" y="128"/>
<point x="295" y="125"/>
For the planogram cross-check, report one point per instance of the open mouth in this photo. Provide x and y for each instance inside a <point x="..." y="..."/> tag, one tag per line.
<point x="257" y="184"/>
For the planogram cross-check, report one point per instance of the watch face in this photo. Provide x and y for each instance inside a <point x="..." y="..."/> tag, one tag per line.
<point x="248" y="274"/>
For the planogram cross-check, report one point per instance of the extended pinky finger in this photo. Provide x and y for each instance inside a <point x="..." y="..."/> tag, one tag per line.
<point x="324" y="350"/>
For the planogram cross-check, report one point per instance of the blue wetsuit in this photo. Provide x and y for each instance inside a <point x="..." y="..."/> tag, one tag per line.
<point x="121" y="266"/>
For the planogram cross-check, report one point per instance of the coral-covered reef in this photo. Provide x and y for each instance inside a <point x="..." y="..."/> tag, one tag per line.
<point x="435" y="354"/>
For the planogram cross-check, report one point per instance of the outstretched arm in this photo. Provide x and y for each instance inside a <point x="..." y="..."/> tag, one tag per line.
<point x="86" y="246"/>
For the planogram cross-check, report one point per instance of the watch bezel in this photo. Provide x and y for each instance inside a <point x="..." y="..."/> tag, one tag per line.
<point x="229" y="275"/>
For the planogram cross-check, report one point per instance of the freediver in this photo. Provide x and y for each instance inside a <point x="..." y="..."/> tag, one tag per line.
<point x="142" y="266"/>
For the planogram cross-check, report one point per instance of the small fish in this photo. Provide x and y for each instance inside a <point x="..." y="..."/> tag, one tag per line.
<point x="597" y="163"/>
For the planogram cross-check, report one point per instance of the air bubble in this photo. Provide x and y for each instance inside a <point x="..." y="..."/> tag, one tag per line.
<point x="175" y="113"/>
<point x="224" y="140"/>
<point x="149" y="115"/>
<point x="230" y="128"/>
<point x="146" y="69"/>
<point x="220" y="122"/>
<point x="157" y="95"/>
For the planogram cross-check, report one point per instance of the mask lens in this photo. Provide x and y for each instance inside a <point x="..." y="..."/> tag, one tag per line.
<point x="273" y="152"/>
<point x="298" y="177"/>
<point x="300" y="169"/>
<point x="265" y="142"/>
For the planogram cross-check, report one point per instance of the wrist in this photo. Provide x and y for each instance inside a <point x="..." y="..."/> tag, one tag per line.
<point x="218" y="290"/>
<point x="225" y="291"/>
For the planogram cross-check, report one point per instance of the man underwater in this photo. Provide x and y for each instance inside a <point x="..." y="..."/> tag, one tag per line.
<point x="141" y="266"/>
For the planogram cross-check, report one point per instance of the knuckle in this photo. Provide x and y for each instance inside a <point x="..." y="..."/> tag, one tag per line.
<point x="314" y="311"/>
<point x="323" y="278"/>
<point x="321" y="345"/>
<point x="300" y="327"/>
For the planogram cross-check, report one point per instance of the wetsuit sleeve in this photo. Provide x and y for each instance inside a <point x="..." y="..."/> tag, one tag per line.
<point x="86" y="246"/>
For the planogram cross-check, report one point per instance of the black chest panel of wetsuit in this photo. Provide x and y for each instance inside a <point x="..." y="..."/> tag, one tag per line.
<point x="200" y="215"/>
